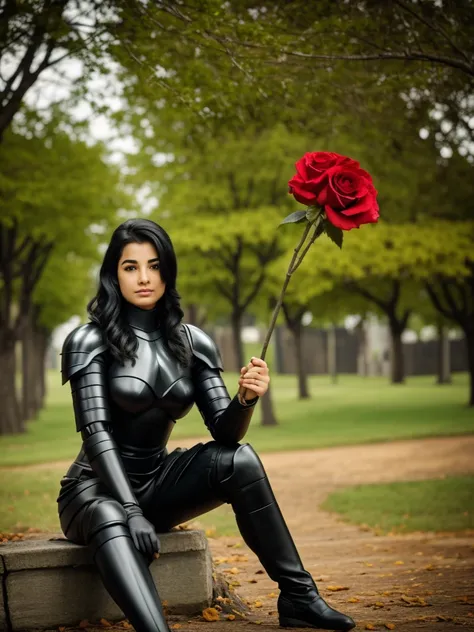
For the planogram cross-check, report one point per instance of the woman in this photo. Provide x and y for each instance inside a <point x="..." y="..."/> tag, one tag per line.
<point x="134" y="370"/>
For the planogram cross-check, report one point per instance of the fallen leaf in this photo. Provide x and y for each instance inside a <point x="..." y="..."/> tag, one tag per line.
<point x="390" y="626"/>
<point x="368" y="564"/>
<point x="176" y="626"/>
<point x="272" y="594"/>
<point x="353" y="600"/>
<point x="105" y="624"/>
<point x="232" y="571"/>
<point x="379" y="604"/>
<point x="399" y="563"/>
<point x="370" y="626"/>
<point x="337" y="588"/>
<point x="230" y="617"/>
<point x="258" y="604"/>
<point x="210" y="614"/>
<point x="252" y="581"/>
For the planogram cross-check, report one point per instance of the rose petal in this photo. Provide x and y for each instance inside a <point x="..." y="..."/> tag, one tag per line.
<point x="340" y="221"/>
<point x="361" y="206"/>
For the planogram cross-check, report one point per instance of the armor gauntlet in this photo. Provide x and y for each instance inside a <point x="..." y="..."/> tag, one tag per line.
<point x="83" y="364"/>
<point x="227" y="420"/>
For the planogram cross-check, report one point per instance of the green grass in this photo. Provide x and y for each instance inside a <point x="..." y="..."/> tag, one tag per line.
<point x="356" y="410"/>
<point x="445" y="504"/>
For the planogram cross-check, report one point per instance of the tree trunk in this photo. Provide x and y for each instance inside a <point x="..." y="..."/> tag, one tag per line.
<point x="29" y="375"/>
<point x="397" y="363"/>
<point x="236" y="322"/>
<point x="41" y="341"/>
<point x="11" y="419"/>
<point x="469" y="335"/>
<point x="444" y="358"/>
<point x="268" y="415"/>
<point x="332" y="353"/>
<point x="297" y="332"/>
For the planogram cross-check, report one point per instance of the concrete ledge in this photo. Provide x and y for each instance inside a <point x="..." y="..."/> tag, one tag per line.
<point x="47" y="583"/>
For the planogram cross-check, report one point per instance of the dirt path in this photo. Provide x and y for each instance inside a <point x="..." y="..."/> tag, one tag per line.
<point x="414" y="582"/>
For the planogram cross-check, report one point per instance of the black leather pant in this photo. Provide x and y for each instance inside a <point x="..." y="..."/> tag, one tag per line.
<point x="188" y="484"/>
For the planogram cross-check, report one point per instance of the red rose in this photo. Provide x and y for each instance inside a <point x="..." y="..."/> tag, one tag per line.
<point x="350" y="197"/>
<point x="311" y="172"/>
<point x="339" y="186"/>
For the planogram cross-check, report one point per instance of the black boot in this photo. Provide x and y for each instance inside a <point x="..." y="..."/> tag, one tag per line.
<point x="127" y="578"/>
<point x="264" y="530"/>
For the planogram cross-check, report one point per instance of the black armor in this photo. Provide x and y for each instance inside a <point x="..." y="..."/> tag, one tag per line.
<point x="124" y="475"/>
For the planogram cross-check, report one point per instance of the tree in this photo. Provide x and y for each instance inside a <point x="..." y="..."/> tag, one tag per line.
<point x="53" y="189"/>
<point x="61" y="292"/>
<point x="268" y="61"/>
<point x="448" y="276"/>
<point x="37" y="35"/>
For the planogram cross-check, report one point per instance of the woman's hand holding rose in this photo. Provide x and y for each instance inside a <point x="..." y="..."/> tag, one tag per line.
<point x="254" y="378"/>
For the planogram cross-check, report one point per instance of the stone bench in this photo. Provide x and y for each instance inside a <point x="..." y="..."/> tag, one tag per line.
<point x="52" y="582"/>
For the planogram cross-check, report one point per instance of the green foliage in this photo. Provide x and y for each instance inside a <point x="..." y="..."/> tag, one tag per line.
<point x="56" y="188"/>
<point x="445" y="504"/>
<point x="58" y="196"/>
<point x="63" y="289"/>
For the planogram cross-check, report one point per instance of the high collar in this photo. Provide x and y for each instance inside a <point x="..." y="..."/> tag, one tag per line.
<point x="144" y="319"/>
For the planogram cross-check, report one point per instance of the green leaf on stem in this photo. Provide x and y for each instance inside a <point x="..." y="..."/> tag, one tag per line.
<point x="335" y="234"/>
<point x="294" y="218"/>
<point x="313" y="213"/>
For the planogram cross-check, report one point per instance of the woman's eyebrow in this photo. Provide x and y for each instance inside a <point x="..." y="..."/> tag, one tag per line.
<point x="135" y="261"/>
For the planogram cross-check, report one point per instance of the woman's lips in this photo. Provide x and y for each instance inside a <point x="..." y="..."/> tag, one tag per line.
<point x="144" y="292"/>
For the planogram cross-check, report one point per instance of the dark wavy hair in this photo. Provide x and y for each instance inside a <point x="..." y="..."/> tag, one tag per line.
<point x="106" y="309"/>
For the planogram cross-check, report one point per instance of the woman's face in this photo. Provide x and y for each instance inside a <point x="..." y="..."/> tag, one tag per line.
<point x="139" y="275"/>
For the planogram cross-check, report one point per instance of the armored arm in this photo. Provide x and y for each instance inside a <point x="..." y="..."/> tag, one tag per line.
<point x="227" y="419"/>
<point x="83" y="364"/>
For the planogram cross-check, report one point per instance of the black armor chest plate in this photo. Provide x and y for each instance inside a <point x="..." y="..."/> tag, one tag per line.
<point x="156" y="381"/>
<point x="149" y="395"/>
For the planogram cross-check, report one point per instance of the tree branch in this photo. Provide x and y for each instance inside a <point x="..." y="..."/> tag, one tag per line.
<point x="433" y="27"/>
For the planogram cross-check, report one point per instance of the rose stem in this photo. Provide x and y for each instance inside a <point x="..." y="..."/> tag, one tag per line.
<point x="291" y="268"/>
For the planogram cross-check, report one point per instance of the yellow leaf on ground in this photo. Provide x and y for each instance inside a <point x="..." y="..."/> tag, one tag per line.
<point x="370" y="626"/>
<point x="176" y="626"/>
<point x="232" y="571"/>
<point x="353" y="600"/>
<point x="230" y="617"/>
<point x="272" y="594"/>
<point x="258" y="604"/>
<point x="210" y="614"/>
<point x="337" y="588"/>
<point x="390" y="626"/>
<point x="399" y="563"/>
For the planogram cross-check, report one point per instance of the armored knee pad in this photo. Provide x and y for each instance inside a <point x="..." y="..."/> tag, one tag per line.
<point x="242" y="478"/>
<point x="104" y="520"/>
